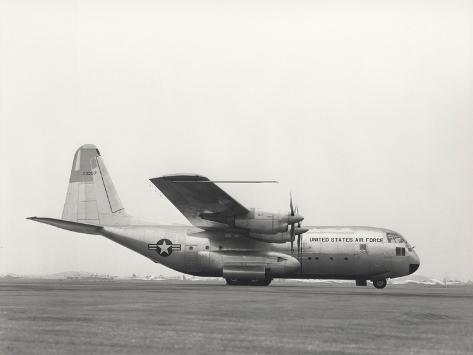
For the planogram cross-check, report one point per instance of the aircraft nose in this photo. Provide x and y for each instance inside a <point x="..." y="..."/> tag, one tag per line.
<point x="414" y="262"/>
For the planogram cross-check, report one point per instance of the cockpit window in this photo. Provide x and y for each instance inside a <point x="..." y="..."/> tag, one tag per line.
<point x="394" y="238"/>
<point x="397" y="238"/>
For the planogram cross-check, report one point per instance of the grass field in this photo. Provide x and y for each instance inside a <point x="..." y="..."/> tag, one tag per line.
<point x="130" y="317"/>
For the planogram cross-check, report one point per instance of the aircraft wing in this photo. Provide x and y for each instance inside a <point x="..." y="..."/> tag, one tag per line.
<point x="200" y="200"/>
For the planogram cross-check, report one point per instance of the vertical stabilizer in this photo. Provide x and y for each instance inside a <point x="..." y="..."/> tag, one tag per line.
<point x="91" y="196"/>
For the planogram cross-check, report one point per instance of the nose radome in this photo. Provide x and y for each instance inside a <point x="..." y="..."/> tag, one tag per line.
<point x="414" y="262"/>
<point x="416" y="257"/>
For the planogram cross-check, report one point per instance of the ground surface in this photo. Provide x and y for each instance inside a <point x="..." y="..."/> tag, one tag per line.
<point x="131" y="317"/>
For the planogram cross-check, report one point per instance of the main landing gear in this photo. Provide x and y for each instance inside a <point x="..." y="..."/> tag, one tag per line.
<point x="239" y="282"/>
<point x="380" y="283"/>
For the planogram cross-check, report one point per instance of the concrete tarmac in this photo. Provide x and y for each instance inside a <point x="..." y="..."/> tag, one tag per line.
<point x="131" y="317"/>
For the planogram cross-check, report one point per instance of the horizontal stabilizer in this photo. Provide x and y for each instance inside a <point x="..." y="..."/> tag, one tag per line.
<point x="68" y="225"/>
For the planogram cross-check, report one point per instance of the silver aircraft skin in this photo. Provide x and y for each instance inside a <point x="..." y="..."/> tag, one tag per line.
<point x="244" y="246"/>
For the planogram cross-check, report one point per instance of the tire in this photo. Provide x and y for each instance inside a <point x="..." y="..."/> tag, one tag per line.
<point x="231" y="282"/>
<point x="236" y="282"/>
<point x="379" y="284"/>
<point x="265" y="282"/>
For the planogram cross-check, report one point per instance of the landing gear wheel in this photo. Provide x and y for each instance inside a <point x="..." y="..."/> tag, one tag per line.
<point x="237" y="282"/>
<point x="381" y="283"/>
<point x="231" y="282"/>
<point x="265" y="282"/>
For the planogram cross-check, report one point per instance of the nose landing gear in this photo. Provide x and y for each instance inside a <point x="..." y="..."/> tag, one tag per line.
<point x="380" y="283"/>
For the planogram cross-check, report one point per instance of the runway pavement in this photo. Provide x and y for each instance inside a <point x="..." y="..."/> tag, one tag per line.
<point x="130" y="317"/>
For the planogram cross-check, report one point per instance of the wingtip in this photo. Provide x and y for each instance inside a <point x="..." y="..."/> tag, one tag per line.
<point x="154" y="180"/>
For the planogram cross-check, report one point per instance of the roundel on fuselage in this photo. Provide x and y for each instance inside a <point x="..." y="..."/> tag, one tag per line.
<point x="164" y="247"/>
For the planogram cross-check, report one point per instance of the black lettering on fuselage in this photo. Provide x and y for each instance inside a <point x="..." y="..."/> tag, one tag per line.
<point x="346" y="240"/>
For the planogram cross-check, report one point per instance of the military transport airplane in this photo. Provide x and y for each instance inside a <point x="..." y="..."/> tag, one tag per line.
<point x="244" y="246"/>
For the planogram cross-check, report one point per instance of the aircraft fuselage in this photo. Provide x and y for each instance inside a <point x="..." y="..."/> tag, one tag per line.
<point x="355" y="253"/>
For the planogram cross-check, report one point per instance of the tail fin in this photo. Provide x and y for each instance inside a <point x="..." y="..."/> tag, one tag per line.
<point x="91" y="197"/>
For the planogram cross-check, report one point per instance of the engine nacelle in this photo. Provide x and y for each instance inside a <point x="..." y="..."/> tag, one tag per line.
<point x="257" y="222"/>
<point x="262" y="222"/>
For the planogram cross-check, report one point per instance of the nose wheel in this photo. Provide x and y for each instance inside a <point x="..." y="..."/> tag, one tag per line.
<point x="381" y="283"/>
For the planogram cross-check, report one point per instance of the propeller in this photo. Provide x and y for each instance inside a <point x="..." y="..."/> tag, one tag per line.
<point x="293" y="218"/>
<point x="300" y="233"/>
<point x="292" y="224"/>
<point x="299" y="243"/>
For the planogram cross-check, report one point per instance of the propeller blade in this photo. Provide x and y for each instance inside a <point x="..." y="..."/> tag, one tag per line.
<point x="290" y="204"/>
<point x="299" y="231"/>
<point x="298" y="244"/>
<point x="300" y="235"/>
<point x="298" y="222"/>
<point x="292" y="238"/>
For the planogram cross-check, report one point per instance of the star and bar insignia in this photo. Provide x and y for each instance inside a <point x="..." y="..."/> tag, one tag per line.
<point x="164" y="247"/>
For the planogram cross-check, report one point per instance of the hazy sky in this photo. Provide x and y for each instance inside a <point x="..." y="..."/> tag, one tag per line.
<point x="364" y="109"/>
